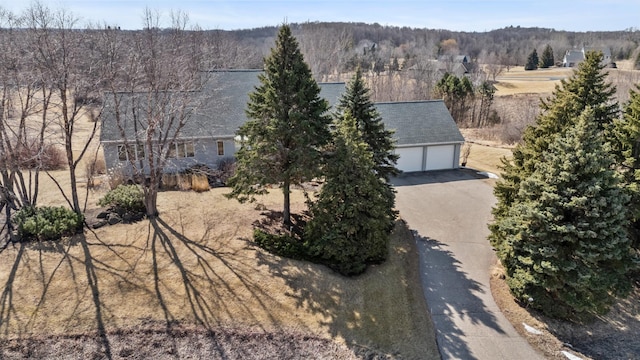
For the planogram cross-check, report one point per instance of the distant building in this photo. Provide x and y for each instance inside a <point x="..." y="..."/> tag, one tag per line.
<point x="574" y="57"/>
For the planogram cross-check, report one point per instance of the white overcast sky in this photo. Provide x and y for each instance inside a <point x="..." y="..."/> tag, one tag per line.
<point x="457" y="15"/>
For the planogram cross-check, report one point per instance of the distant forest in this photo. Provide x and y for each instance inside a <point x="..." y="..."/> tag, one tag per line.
<point x="331" y="47"/>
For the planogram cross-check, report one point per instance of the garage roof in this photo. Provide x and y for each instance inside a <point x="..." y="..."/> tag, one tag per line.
<point x="420" y="122"/>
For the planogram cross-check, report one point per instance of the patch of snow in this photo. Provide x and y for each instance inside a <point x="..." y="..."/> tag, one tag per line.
<point x="488" y="174"/>
<point x="531" y="329"/>
<point x="570" y="356"/>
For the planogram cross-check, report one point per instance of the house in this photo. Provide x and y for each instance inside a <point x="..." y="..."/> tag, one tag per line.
<point x="427" y="137"/>
<point x="457" y="65"/>
<point x="208" y="137"/>
<point x="573" y="57"/>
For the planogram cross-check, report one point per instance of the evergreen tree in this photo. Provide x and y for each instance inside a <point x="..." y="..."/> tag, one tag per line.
<point x="457" y="93"/>
<point x="547" y="59"/>
<point x="585" y="88"/>
<point x="532" y="61"/>
<point x="357" y="101"/>
<point x="626" y="149"/>
<point x="288" y="125"/>
<point x="353" y="216"/>
<point x="563" y="242"/>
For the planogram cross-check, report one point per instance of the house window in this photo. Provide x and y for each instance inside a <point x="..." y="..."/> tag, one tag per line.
<point x="122" y="153"/>
<point x="171" y="154"/>
<point x="133" y="152"/>
<point x="190" y="151"/>
<point x="220" y="148"/>
<point x="181" y="150"/>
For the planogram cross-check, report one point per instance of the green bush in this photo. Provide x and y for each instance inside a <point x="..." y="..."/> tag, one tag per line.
<point x="282" y="245"/>
<point x="128" y="198"/>
<point x="47" y="223"/>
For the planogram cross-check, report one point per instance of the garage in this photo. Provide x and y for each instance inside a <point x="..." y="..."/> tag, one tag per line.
<point x="440" y="157"/>
<point x="411" y="159"/>
<point x="427" y="137"/>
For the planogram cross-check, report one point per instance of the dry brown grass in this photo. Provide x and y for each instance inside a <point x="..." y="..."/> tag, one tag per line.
<point x="485" y="155"/>
<point x="196" y="266"/>
<point x="611" y="336"/>
<point x="199" y="183"/>
<point x="541" y="81"/>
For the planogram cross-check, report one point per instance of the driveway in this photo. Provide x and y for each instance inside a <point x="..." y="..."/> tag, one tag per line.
<point x="448" y="212"/>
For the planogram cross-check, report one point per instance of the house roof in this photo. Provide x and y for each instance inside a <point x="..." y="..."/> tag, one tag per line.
<point x="419" y="122"/>
<point x="226" y="94"/>
<point x="573" y="56"/>
<point x="221" y="108"/>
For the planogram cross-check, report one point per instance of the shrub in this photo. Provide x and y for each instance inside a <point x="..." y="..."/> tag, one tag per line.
<point x="116" y="178"/>
<point x="47" y="223"/>
<point x="93" y="168"/>
<point x="226" y="169"/>
<point x="199" y="183"/>
<point x="281" y="244"/>
<point x="127" y="198"/>
<point x="184" y="182"/>
<point x="29" y="155"/>
<point x="169" y="181"/>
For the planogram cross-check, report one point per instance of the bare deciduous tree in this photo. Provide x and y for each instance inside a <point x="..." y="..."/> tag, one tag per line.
<point x="153" y="87"/>
<point x="63" y="60"/>
<point x="324" y="48"/>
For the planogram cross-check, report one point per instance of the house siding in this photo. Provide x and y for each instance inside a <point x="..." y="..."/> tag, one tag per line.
<point x="205" y="153"/>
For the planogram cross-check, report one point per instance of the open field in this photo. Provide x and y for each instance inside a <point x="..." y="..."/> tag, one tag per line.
<point x="540" y="81"/>
<point x="485" y="155"/>
<point x="487" y="158"/>
<point x="196" y="267"/>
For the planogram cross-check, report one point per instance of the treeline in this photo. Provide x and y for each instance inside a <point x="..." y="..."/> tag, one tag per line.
<point x="511" y="44"/>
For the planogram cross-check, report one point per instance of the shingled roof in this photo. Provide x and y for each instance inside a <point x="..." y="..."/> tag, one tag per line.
<point x="226" y="94"/>
<point x="221" y="109"/>
<point x="420" y="122"/>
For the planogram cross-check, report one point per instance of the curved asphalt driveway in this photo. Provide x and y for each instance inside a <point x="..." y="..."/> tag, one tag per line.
<point x="448" y="212"/>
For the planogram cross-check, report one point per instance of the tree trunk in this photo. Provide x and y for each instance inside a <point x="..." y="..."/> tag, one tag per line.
<point x="74" y="189"/>
<point x="286" y="213"/>
<point x="151" y="201"/>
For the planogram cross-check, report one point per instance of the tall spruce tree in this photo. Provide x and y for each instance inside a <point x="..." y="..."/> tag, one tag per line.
<point x="532" y="61"/>
<point x="563" y="242"/>
<point x="626" y="149"/>
<point x="547" y="58"/>
<point x="357" y="101"/>
<point x="353" y="216"/>
<point x="585" y="88"/>
<point x="288" y="125"/>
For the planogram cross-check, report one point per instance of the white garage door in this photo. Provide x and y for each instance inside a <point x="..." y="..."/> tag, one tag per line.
<point x="410" y="159"/>
<point x="440" y="157"/>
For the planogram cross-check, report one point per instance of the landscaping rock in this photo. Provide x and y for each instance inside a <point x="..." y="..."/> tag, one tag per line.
<point x="102" y="215"/>
<point x="99" y="224"/>
<point x="113" y="219"/>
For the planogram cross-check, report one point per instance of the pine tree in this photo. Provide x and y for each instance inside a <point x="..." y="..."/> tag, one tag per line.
<point x="357" y="101"/>
<point x="532" y="61"/>
<point x="547" y="59"/>
<point x="563" y="242"/>
<point x="288" y="125"/>
<point x="626" y="150"/>
<point x="457" y="93"/>
<point x="353" y="216"/>
<point x="585" y="88"/>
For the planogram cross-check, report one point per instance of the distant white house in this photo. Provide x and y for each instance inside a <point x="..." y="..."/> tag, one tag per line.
<point x="574" y="57"/>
